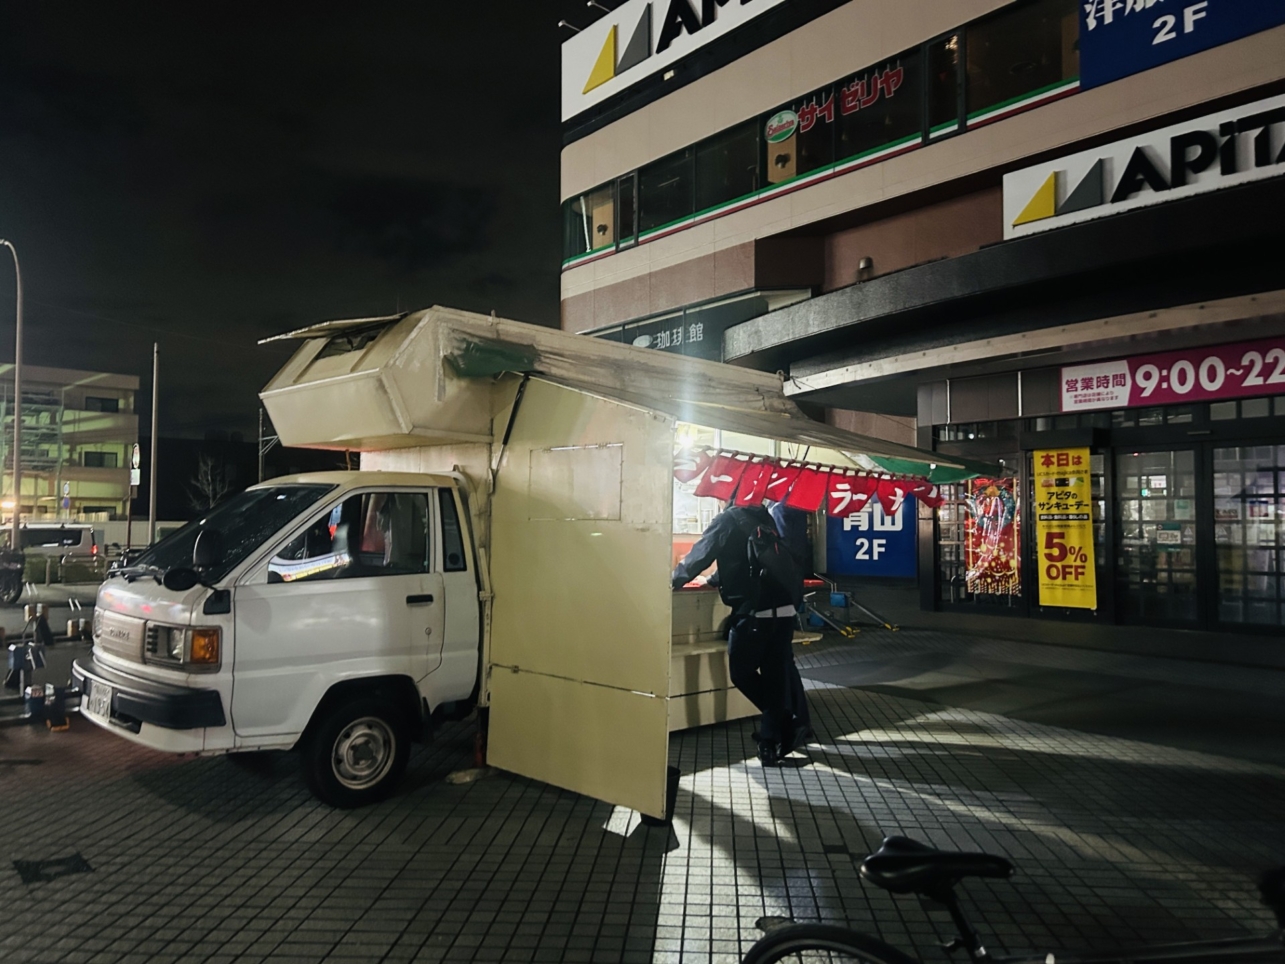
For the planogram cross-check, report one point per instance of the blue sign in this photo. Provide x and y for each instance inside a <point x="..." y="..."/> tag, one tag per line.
<point x="1123" y="37"/>
<point x="872" y="543"/>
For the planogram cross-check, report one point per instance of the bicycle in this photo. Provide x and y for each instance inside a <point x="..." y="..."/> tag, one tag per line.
<point x="905" y="866"/>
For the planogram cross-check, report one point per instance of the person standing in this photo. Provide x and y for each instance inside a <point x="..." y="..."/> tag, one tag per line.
<point x="762" y="627"/>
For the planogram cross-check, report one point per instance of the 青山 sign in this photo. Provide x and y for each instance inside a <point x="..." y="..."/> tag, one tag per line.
<point x="1123" y="37"/>
<point x="1064" y="528"/>
<point x="1241" y="370"/>
<point x="872" y="543"/>
<point x="641" y="37"/>
<point x="1217" y="151"/>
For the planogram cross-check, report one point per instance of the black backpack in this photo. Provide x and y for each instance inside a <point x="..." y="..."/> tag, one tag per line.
<point x="777" y="579"/>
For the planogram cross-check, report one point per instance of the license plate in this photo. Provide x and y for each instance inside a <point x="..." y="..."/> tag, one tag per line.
<point x="99" y="701"/>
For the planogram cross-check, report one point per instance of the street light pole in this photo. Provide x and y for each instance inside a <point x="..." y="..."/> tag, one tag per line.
<point x="16" y="541"/>
<point x="151" y="486"/>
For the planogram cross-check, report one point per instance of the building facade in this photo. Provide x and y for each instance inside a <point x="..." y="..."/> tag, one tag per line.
<point x="78" y="434"/>
<point x="1042" y="232"/>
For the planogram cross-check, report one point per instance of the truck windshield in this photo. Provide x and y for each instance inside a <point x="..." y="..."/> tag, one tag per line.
<point x="245" y="522"/>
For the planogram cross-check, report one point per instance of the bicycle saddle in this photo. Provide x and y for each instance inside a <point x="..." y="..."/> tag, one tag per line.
<point x="906" y="866"/>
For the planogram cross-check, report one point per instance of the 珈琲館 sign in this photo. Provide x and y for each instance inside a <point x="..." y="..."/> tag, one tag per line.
<point x="1240" y="370"/>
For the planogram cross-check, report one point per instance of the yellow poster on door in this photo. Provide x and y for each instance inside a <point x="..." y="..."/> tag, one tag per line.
<point x="1064" y="528"/>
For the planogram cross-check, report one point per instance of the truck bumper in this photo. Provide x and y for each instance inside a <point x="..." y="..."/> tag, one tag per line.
<point x="133" y="702"/>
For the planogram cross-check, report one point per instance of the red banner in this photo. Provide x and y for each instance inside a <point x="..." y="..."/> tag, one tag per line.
<point x="849" y="493"/>
<point x="750" y="479"/>
<point x="809" y="489"/>
<point x="754" y="483"/>
<point x="721" y="478"/>
<point x="991" y="538"/>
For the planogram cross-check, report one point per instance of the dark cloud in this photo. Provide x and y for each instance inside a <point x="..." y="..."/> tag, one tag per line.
<point x="205" y="176"/>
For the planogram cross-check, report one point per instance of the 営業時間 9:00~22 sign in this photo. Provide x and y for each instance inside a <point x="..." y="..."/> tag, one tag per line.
<point x="1241" y="370"/>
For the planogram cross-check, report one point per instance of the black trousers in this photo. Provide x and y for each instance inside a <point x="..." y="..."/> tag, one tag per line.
<point x="761" y="662"/>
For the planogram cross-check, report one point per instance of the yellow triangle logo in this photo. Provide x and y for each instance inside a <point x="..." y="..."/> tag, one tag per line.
<point x="1043" y="205"/>
<point x="605" y="67"/>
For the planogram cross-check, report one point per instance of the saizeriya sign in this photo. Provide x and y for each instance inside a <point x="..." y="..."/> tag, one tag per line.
<point x="1213" y="152"/>
<point x="639" y="38"/>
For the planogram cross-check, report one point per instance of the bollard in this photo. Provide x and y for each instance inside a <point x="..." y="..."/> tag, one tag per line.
<point x="73" y="629"/>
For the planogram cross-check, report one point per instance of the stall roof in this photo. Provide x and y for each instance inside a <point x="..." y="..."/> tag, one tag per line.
<point x="693" y="390"/>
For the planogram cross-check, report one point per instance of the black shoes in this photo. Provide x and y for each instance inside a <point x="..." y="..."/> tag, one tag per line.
<point x="796" y="739"/>
<point x="769" y="753"/>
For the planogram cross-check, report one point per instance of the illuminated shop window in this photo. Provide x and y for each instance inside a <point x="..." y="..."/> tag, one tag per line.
<point x="1022" y="51"/>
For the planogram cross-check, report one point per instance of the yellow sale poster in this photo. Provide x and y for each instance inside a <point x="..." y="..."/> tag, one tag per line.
<point x="1064" y="528"/>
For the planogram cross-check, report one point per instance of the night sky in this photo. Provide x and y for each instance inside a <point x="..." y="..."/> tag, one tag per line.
<point x="205" y="175"/>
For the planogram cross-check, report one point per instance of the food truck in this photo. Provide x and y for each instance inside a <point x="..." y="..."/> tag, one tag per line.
<point x="505" y="544"/>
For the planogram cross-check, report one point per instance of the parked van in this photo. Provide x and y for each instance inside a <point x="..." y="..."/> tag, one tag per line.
<point x="506" y="545"/>
<point x="58" y="539"/>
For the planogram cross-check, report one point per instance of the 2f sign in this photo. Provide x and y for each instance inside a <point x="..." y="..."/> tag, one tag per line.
<point x="869" y="550"/>
<point x="1167" y="26"/>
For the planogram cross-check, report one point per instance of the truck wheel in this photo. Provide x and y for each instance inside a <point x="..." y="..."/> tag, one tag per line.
<point x="11" y="591"/>
<point x="356" y="754"/>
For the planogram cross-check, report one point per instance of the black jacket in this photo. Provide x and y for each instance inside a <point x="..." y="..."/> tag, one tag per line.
<point x="725" y="541"/>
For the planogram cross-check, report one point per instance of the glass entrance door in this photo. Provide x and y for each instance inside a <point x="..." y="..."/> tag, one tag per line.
<point x="1155" y="509"/>
<point x="1249" y="533"/>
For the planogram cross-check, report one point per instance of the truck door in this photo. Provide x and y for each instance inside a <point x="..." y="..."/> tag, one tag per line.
<point x="351" y="594"/>
<point x="581" y="627"/>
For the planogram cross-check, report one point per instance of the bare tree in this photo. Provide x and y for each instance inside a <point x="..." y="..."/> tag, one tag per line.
<point x="209" y="485"/>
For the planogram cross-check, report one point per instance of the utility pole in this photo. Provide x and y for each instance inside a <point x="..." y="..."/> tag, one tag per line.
<point x="151" y="487"/>
<point x="16" y="541"/>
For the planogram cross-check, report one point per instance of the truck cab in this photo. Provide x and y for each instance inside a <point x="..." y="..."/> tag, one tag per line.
<point x="332" y="613"/>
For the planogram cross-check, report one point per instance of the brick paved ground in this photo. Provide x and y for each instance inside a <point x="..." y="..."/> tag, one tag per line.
<point x="210" y="860"/>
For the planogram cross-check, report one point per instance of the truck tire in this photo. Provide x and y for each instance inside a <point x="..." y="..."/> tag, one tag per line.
<point x="356" y="753"/>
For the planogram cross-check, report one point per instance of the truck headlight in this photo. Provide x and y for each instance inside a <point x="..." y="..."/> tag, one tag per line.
<point x="204" y="647"/>
<point x="175" y="645"/>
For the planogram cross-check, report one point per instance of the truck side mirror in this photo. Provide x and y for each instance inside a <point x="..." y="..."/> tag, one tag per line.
<point x="208" y="549"/>
<point x="180" y="580"/>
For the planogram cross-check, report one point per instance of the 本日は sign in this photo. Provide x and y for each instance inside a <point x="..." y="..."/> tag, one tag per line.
<point x="1241" y="370"/>
<point x="1064" y="528"/>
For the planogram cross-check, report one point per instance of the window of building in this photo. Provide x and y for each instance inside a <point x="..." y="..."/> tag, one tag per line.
<point x="727" y="165"/>
<point x="1021" y="51"/>
<point x="881" y="106"/>
<point x="95" y="403"/>
<point x="666" y="190"/>
<point x="589" y="221"/>
<point x="942" y="96"/>
<point x="814" y="141"/>
<point x="99" y="460"/>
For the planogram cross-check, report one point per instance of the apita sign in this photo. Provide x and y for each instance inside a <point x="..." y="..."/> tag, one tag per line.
<point x="641" y="37"/>
<point x="1217" y="151"/>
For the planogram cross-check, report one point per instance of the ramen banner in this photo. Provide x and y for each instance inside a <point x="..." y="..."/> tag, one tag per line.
<point x="1064" y="528"/>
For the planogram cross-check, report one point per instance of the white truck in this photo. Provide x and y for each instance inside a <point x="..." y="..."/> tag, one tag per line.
<point x="506" y="545"/>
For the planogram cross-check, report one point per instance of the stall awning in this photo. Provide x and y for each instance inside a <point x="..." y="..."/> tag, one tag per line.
<point x="693" y="390"/>
<point x="402" y="385"/>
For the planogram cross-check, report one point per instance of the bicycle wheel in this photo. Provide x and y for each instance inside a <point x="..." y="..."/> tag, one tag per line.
<point x="823" y="944"/>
